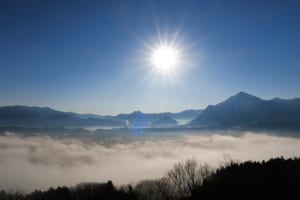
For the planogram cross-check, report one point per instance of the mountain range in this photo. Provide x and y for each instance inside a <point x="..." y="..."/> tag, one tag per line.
<point x="140" y="119"/>
<point x="242" y="110"/>
<point x="25" y="116"/>
<point x="247" y="111"/>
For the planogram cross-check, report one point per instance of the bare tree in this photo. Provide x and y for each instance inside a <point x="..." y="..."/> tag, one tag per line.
<point x="188" y="176"/>
<point x="227" y="161"/>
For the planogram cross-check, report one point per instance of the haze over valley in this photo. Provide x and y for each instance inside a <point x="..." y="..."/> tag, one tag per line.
<point x="127" y="148"/>
<point x="149" y="99"/>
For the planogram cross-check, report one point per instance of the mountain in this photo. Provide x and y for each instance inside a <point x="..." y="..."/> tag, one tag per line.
<point x="140" y="119"/>
<point x="25" y="116"/>
<point x="186" y="114"/>
<point x="165" y="121"/>
<point x="247" y="111"/>
<point x="242" y="110"/>
<point x="86" y="116"/>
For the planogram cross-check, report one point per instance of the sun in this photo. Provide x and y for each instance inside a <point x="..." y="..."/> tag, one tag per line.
<point x="165" y="58"/>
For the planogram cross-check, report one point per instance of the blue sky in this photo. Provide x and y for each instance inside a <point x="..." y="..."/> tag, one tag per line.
<point x="89" y="56"/>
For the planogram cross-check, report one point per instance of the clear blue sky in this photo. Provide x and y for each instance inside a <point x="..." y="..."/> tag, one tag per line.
<point x="87" y="56"/>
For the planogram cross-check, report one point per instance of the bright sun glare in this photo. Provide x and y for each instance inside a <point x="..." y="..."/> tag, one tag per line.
<point x="164" y="58"/>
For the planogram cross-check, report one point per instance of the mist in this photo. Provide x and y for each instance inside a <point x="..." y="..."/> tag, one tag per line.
<point x="39" y="162"/>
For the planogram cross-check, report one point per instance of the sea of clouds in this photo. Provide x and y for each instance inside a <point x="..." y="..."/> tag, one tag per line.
<point x="39" y="162"/>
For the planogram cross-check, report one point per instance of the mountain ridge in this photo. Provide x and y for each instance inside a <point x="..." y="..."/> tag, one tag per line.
<point x="34" y="116"/>
<point x="246" y="110"/>
<point x="242" y="110"/>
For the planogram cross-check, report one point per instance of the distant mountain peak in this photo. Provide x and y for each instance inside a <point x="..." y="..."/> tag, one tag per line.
<point x="245" y="94"/>
<point x="246" y="110"/>
<point x="137" y="112"/>
<point x="242" y="97"/>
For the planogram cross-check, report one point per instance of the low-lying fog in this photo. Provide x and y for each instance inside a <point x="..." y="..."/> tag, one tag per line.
<point x="38" y="162"/>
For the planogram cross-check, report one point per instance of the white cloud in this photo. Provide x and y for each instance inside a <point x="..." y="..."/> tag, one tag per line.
<point x="42" y="161"/>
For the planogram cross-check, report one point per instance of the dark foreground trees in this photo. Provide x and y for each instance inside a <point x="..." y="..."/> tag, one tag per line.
<point x="83" y="191"/>
<point x="274" y="179"/>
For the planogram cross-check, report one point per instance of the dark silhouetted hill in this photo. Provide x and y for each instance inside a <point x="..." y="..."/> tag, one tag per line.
<point x="275" y="179"/>
<point x="247" y="111"/>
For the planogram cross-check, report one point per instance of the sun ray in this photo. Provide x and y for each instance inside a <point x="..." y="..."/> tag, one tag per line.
<point x="166" y="56"/>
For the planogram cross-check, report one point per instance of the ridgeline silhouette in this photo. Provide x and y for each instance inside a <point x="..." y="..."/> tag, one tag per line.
<point x="242" y="111"/>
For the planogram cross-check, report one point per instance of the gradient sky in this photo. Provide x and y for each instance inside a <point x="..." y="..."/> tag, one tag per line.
<point x="90" y="57"/>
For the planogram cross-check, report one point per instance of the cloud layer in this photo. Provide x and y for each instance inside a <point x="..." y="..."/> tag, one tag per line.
<point x="42" y="161"/>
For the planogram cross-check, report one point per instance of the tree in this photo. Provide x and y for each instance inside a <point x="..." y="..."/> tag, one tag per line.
<point x="188" y="176"/>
